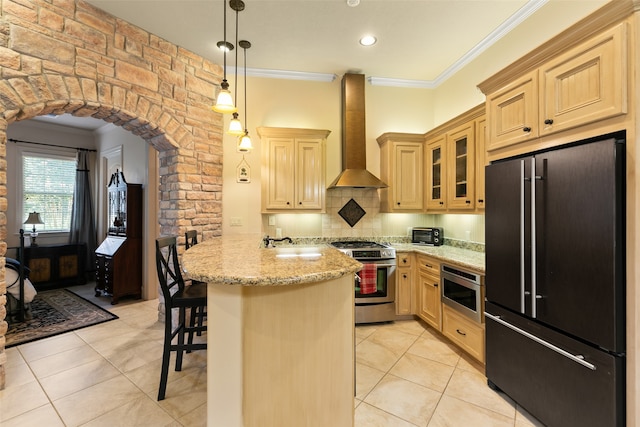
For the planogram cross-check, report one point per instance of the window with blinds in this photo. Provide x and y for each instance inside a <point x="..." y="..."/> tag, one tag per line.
<point x="48" y="183"/>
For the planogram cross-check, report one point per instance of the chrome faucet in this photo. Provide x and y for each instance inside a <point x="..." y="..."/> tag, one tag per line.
<point x="268" y="241"/>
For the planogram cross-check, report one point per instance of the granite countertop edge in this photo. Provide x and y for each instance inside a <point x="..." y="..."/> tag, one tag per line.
<point x="464" y="258"/>
<point x="241" y="261"/>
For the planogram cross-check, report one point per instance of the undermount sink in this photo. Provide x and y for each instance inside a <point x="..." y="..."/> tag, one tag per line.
<point x="298" y="252"/>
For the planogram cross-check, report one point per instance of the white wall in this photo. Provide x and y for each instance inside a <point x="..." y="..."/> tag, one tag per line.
<point x="34" y="131"/>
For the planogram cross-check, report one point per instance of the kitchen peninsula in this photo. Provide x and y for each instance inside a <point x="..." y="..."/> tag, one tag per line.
<point x="280" y="332"/>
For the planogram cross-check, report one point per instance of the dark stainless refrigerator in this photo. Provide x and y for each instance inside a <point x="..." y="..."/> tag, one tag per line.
<point x="555" y="282"/>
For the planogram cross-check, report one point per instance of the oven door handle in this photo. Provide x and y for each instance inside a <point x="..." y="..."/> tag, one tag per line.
<point x="383" y="265"/>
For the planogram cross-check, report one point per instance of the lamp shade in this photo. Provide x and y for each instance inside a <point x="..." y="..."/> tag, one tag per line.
<point x="244" y="143"/>
<point x="34" y="218"/>
<point x="235" y="127"/>
<point x="224" y="102"/>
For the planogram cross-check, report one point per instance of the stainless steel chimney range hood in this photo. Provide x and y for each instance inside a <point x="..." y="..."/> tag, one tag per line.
<point x="354" y="144"/>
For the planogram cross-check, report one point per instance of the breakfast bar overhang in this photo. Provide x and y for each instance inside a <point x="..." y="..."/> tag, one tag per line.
<point x="280" y="333"/>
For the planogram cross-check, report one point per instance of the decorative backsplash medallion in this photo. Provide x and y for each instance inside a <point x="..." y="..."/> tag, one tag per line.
<point x="351" y="212"/>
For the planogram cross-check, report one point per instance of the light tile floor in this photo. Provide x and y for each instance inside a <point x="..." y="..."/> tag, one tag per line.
<point x="108" y="375"/>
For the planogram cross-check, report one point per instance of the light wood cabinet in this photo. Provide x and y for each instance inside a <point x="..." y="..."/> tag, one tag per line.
<point x="405" y="300"/>
<point x="450" y="163"/>
<point x="512" y="112"/>
<point x="293" y="177"/>
<point x="401" y="168"/>
<point x="465" y="333"/>
<point x="585" y="84"/>
<point x="461" y="167"/>
<point x="429" y="304"/>
<point x="481" y="162"/>
<point x="436" y="187"/>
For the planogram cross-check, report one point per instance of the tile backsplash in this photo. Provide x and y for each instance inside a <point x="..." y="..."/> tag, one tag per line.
<point x="394" y="226"/>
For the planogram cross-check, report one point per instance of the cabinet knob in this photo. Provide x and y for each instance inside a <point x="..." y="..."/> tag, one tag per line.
<point x="398" y="203"/>
<point x="404" y="276"/>
<point x="480" y="200"/>
<point x="468" y="202"/>
<point x="442" y="203"/>
<point x="299" y="203"/>
<point x="461" y="333"/>
<point x="288" y="203"/>
<point x="548" y="122"/>
<point x="526" y="129"/>
<point x="435" y="285"/>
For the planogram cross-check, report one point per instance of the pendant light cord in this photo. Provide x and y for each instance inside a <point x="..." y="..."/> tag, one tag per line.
<point x="235" y="96"/>
<point x="224" y="49"/>
<point x="246" y="118"/>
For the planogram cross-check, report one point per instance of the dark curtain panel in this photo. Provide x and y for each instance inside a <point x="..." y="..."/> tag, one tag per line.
<point x="83" y="228"/>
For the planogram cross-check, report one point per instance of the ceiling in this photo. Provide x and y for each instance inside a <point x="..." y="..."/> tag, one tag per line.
<point x="420" y="42"/>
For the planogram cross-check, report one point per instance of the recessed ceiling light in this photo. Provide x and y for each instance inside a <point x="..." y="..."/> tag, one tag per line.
<point x="368" y="41"/>
<point x="353" y="3"/>
<point x="224" y="46"/>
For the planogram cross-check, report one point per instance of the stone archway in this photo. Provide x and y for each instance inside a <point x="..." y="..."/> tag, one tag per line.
<point x="74" y="58"/>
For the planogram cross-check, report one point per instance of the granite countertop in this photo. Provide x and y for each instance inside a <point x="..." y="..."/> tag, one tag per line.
<point x="465" y="258"/>
<point x="240" y="260"/>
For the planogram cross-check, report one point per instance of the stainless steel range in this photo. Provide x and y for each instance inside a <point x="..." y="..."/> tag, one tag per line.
<point x="375" y="302"/>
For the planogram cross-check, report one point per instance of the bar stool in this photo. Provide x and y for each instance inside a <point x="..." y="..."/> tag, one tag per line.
<point x="178" y="296"/>
<point x="191" y="239"/>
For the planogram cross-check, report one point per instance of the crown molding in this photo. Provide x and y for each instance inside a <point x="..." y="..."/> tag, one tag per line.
<point x="284" y="74"/>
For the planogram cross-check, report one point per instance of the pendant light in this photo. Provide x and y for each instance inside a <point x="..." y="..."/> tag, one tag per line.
<point x="235" y="126"/>
<point x="224" y="101"/>
<point x="244" y="142"/>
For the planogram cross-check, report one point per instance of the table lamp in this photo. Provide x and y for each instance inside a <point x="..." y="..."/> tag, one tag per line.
<point x="34" y="218"/>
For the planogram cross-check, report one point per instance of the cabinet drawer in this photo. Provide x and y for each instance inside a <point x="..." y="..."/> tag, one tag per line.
<point x="465" y="333"/>
<point x="404" y="260"/>
<point x="429" y="265"/>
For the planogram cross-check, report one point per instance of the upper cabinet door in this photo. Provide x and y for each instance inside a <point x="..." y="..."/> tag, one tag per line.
<point x="408" y="176"/>
<point x="512" y="112"/>
<point x="461" y="167"/>
<point x="309" y="168"/>
<point x="280" y="171"/>
<point x="436" y="177"/>
<point x="585" y="84"/>
<point x="481" y="161"/>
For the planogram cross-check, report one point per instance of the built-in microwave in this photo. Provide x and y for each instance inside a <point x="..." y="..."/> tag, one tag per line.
<point x="463" y="291"/>
<point x="433" y="236"/>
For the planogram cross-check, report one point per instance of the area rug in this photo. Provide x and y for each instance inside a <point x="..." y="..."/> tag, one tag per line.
<point x="56" y="312"/>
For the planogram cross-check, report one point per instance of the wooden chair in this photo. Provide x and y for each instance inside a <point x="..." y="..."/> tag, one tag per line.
<point x="190" y="238"/>
<point x="180" y="297"/>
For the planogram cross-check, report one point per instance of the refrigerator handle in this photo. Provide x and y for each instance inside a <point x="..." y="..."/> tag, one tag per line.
<point x="578" y="358"/>
<point x="522" y="236"/>
<point x="533" y="237"/>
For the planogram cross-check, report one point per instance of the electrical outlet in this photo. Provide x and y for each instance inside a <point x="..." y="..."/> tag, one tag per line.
<point x="272" y="220"/>
<point x="236" y="221"/>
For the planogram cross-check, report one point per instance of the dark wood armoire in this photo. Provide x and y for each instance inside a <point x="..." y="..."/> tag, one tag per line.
<point x="119" y="256"/>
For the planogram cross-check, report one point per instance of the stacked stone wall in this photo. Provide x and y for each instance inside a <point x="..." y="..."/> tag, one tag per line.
<point x="66" y="56"/>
